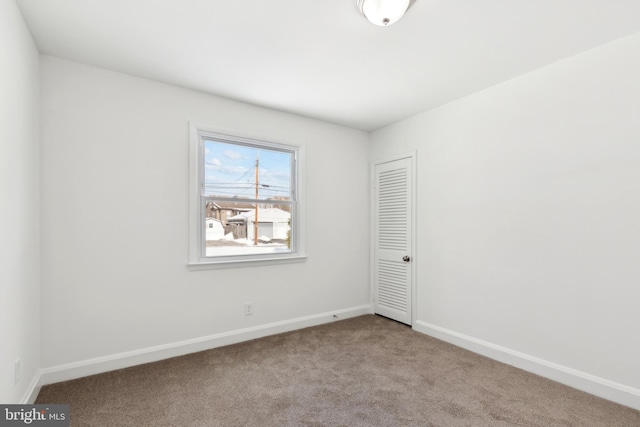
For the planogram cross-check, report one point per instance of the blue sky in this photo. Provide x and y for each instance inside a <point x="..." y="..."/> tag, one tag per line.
<point x="230" y="171"/>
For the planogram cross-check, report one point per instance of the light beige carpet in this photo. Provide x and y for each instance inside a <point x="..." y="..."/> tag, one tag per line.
<point x="365" y="371"/>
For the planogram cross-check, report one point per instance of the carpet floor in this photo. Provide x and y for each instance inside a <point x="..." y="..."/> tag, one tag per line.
<point x="364" y="371"/>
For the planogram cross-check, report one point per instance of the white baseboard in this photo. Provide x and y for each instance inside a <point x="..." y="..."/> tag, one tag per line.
<point x="619" y="393"/>
<point x="31" y="394"/>
<point x="100" y="365"/>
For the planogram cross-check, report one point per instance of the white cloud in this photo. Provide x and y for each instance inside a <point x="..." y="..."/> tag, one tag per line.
<point x="232" y="154"/>
<point x="216" y="165"/>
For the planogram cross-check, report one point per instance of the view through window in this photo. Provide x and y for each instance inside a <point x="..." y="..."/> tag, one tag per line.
<point x="248" y="198"/>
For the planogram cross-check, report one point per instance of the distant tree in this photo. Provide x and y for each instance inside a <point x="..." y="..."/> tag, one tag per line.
<point x="289" y="234"/>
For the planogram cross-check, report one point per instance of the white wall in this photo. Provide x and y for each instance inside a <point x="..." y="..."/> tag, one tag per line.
<point x="529" y="207"/>
<point x="19" y="204"/>
<point x="115" y="152"/>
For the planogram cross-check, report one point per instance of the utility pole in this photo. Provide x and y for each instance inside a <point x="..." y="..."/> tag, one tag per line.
<point x="255" y="224"/>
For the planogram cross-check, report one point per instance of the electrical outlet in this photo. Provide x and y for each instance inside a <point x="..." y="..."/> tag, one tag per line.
<point x="248" y="308"/>
<point x="18" y="370"/>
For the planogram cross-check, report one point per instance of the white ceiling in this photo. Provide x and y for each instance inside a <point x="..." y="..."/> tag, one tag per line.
<point x="322" y="59"/>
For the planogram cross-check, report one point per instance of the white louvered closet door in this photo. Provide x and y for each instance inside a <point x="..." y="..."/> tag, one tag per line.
<point x="392" y="240"/>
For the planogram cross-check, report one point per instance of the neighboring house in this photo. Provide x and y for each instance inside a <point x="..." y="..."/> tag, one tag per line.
<point x="223" y="211"/>
<point x="215" y="229"/>
<point x="273" y="223"/>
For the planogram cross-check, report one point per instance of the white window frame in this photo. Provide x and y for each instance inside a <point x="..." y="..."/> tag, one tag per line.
<point x="197" y="227"/>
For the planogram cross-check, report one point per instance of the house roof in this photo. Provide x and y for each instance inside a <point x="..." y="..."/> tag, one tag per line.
<point x="264" y="215"/>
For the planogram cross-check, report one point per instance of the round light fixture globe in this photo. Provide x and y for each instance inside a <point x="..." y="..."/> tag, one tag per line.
<point x="383" y="12"/>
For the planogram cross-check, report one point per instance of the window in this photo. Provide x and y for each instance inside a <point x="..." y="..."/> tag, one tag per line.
<point x="244" y="203"/>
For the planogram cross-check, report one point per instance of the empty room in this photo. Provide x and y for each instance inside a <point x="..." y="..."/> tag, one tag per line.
<point x="336" y="213"/>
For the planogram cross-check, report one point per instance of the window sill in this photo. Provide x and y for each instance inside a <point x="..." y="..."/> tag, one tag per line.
<point x="238" y="263"/>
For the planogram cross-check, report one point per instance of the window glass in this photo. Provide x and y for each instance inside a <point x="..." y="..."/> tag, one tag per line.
<point x="247" y="200"/>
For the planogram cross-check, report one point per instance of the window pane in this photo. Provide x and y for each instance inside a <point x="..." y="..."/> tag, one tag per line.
<point x="231" y="228"/>
<point x="245" y="171"/>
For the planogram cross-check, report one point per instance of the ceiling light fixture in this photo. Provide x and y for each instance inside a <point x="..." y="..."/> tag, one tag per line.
<point x="383" y="12"/>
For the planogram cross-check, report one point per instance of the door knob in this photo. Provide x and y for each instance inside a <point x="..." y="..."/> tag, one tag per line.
<point x="406" y="258"/>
